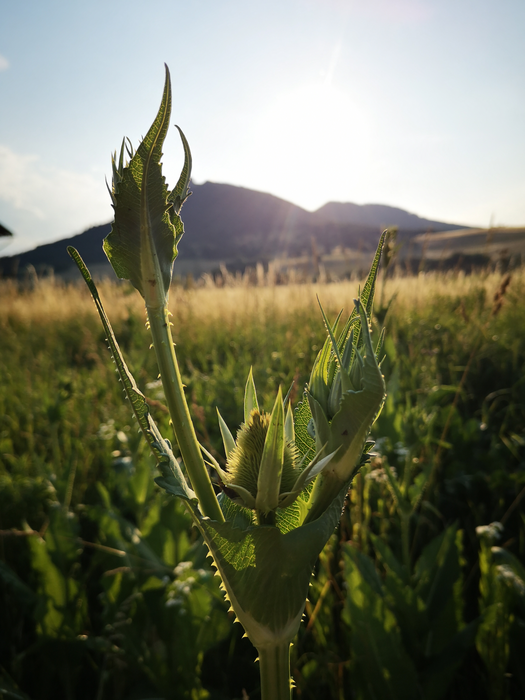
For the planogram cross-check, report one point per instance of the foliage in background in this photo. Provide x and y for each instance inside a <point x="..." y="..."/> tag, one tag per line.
<point x="102" y="570"/>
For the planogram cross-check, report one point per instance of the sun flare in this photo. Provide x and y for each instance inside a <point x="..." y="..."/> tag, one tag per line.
<point x="317" y="135"/>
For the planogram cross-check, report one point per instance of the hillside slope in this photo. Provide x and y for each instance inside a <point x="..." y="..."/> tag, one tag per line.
<point x="225" y="223"/>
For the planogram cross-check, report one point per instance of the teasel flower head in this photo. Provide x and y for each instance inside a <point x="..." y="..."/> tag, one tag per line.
<point x="264" y="471"/>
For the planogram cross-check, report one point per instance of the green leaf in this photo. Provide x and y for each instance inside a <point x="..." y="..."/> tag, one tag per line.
<point x="266" y="573"/>
<point x="358" y="410"/>
<point x="381" y="668"/>
<point x="401" y="502"/>
<point x="303" y="439"/>
<point x="439" y="673"/>
<point x="502" y="557"/>
<point x="365" y="566"/>
<point x="388" y="558"/>
<point x="319" y="375"/>
<point x="437" y="570"/>
<point x="289" y="433"/>
<point x="322" y="426"/>
<point x="55" y="588"/>
<point x="133" y="393"/>
<point x="160" y="447"/>
<point x="347" y="433"/>
<point x="511" y="572"/>
<point x="345" y="380"/>
<point x="367" y="295"/>
<point x="236" y="515"/>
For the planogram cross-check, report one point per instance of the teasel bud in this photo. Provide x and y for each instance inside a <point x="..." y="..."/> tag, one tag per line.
<point x="142" y="243"/>
<point x="345" y="393"/>
<point x="263" y="469"/>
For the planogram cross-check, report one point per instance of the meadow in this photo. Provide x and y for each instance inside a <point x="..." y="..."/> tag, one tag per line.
<point x="105" y="590"/>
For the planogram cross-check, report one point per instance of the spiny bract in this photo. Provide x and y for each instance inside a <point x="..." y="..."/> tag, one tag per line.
<point x="244" y="461"/>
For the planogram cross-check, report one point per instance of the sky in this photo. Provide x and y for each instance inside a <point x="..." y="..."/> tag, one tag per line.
<point x="418" y="104"/>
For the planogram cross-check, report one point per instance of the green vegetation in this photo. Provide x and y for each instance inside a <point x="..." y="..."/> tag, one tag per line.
<point x="103" y="570"/>
<point x="105" y="589"/>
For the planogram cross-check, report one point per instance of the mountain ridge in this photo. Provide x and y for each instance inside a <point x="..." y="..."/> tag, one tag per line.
<point x="230" y="223"/>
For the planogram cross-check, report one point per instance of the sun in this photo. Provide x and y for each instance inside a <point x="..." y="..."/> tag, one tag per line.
<point x="309" y="137"/>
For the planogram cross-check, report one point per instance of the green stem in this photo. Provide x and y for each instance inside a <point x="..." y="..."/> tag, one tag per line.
<point x="274" y="662"/>
<point x="180" y="415"/>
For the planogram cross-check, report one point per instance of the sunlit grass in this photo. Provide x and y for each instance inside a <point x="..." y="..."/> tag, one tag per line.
<point x="51" y="300"/>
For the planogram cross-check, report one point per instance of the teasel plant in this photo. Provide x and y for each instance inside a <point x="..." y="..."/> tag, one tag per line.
<point x="287" y="473"/>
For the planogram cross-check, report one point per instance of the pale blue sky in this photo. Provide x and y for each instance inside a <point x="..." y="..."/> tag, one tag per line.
<point x="414" y="103"/>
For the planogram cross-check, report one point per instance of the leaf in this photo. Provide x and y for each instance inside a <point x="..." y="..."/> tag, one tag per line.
<point x="345" y="380"/>
<point x="319" y="375"/>
<point x="401" y="502"/>
<point x="135" y="396"/>
<point x="439" y="673"/>
<point x="502" y="557"/>
<point x="388" y="558"/>
<point x="511" y="572"/>
<point x="351" y="424"/>
<point x="181" y="192"/>
<point x="437" y="570"/>
<point x="367" y="571"/>
<point x="321" y="424"/>
<point x="160" y="447"/>
<point x="238" y="516"/>
<point x="266" y="573"/>
<point x="54" y="587"/>
<point x="367" y="295"/>
<point x="289" y="434"/>
<point x="381" y="668"/>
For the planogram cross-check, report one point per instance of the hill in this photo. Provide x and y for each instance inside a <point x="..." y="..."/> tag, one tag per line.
<point x="239" y="226"/>
<point x="475" y="246"/>
<point x="379" y="215"/>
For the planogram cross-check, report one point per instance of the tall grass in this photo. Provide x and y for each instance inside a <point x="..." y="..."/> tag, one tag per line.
<point x="50" y="300"/>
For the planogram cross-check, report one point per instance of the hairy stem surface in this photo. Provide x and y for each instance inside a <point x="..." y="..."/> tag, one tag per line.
<point x="180" y="415"/>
